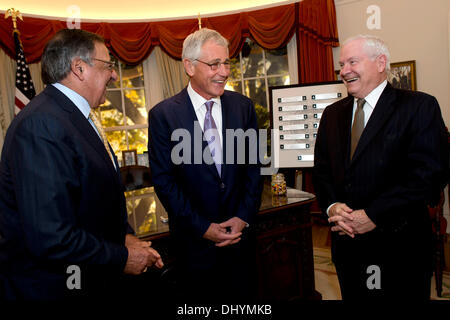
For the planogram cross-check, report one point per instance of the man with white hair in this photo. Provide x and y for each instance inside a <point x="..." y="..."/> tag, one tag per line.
<point x="212" y="205"/>
<point x="380" y="159"/>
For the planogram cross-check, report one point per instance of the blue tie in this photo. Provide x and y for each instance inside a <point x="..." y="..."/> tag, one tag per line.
<point x="212" y="136"/>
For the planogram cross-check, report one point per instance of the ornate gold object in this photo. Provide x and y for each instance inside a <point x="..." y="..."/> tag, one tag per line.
<point x="14" y="14"/>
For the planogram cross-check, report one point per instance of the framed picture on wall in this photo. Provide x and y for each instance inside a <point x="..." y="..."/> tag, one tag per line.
<point x="129" y="157"/>
<point x="337" y="75"/>
<point x="403" y="75"/>
<point x="143" y="159"/>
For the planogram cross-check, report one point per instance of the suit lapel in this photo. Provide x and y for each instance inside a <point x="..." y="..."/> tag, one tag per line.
<point x="346" y="128"/>
<point x="382" y="112"/>
<point x="226" y="123"/>
<point x="86" y="130"/>
<point x="82" y="125"/>
<point x="189" y="120"/>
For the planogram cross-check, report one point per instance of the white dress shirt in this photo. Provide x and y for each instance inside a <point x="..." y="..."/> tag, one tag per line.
<point x="79" y="101"/>
<point x="200" y="110"/>
<point x="371" y="102"/>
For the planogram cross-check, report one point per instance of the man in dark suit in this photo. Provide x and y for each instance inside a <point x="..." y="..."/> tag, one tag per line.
<point x="211" y="198"/>
<point x="380" y="159"/>
<point x="63" y="219"/>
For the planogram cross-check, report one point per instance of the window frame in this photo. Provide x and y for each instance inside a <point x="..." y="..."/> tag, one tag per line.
<point x="122" y="90"/>
<point x="291" y="54"/>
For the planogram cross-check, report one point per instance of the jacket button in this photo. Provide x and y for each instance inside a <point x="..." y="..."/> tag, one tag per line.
<point x="222" y="186"/>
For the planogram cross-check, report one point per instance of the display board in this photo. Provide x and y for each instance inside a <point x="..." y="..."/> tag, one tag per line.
<point x="295" y="112"/>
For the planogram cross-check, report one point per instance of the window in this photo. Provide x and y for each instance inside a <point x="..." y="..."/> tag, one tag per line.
<point x="257" y="69"/>
<point x="124" y="115"/>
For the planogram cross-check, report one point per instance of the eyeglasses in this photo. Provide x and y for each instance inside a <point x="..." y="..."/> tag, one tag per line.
<point x="111" y="64"/>
<point x="216" y="65"/>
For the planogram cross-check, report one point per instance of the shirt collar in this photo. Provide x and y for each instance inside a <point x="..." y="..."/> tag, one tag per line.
<point x="374" y="95"/>
<point x="79" y="101"/>
<point x="197" y="100"/>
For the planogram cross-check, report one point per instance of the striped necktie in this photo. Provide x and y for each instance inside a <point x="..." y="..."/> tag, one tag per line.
<point x="212" y="136"/>
<point x="358" y="125"/>
<point x="99" y="127"/>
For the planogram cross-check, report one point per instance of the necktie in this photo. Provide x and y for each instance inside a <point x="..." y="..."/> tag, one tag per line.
<point x="99" y="127"/>
<point x="212" y="136"/>
<point x="358" y="125"/>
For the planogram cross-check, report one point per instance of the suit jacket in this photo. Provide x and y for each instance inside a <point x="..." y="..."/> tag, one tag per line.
<point x="398" y="168"/>
<point x="61" y="203"/>
<point x="193" y="193"/>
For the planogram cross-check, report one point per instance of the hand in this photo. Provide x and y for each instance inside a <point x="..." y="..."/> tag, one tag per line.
<point x="140" y="256"/>
<point x="219" y="235"/>
<point x="361" y="222"/>
<point x="235" y="225"/>
<point x="340" y="215"/>
<point x="131" y="240"/>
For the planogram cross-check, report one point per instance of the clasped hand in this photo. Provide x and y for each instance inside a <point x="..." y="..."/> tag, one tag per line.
<point x="140" y="256"/>
<point x="348" y="221"/>
<point x="225" y="233"/>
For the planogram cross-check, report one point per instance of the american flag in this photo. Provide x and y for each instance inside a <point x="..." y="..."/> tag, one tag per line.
<point x="24" y="85"/>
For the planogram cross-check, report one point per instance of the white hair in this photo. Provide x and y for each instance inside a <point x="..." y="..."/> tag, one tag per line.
<point x="374" y="47"/>
<point x="194" y="42"/>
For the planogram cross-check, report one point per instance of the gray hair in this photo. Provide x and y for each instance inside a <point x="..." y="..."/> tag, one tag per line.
<point x="374" y="47"/>
<point x="59" y="52"/>
<point x="194" y="42"/>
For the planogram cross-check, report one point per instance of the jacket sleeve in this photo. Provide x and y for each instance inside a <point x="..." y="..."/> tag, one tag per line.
<point x="426" y="166"/>
<point x="322" y="171"/>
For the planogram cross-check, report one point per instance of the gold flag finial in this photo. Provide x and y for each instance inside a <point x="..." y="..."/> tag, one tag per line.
<point x="199" y="21"/>
<point x="14" y="14"/>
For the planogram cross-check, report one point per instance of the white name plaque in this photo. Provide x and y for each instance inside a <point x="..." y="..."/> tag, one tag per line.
<point x="325" y="96"/>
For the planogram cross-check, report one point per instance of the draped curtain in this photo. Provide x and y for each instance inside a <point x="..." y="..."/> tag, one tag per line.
<point x="172" y="74"/>
<point x="164" y="77"/>
<point x="7" y="89"/>
<point x="313" y="21"/>
<point x="317" y="34"/>
<point x="7" y="85"/>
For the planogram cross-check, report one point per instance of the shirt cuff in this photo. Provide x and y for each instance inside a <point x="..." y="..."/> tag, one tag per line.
<point x="328" y="209"/>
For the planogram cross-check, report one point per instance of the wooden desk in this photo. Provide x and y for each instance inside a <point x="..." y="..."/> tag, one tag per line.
<point x="284" y="251"/>
<point x="284" y="247"/>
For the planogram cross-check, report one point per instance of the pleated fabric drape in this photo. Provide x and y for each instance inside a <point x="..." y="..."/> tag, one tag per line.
<point x="314" y="22"/>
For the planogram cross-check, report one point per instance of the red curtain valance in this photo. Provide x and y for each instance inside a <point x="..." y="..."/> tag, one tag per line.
<point x="313" y="20"/>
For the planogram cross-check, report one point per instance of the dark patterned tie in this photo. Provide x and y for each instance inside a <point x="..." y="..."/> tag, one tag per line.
<point x="212" y="136"/>
<point x="358" y="125"/>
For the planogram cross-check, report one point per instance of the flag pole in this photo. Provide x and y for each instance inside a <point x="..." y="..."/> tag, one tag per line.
<point x="25" y="90"/>
<point x="14" y="14"/>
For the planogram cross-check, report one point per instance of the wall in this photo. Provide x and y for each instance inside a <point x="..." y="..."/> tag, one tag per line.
<point x="414" y="30"/>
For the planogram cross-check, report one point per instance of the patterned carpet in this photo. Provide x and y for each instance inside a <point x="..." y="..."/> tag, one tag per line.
<point x="327" y="283"/>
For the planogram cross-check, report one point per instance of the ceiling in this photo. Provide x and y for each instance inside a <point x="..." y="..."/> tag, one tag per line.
<point x="106" y="10"/>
